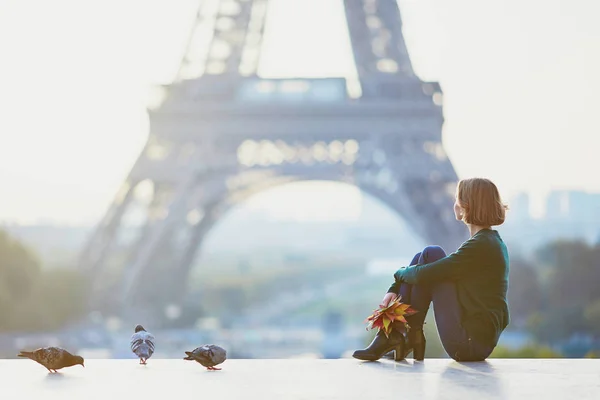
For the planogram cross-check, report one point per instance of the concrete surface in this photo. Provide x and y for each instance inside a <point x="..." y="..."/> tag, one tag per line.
<point x="305" y="379"/>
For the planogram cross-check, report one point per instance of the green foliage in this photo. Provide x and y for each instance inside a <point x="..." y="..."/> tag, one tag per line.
<point x="592" y="316"/>
<point x="529" y="351"/>
<point x="567" y="299"/>
<point x="19" y="268"/>
<point x="525" y="292"/>
<point x="573" y="273"/>
<point x="547" y="326"/>
<point x="33" y="299"/>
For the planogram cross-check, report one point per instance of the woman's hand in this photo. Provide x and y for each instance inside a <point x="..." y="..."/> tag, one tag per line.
<point x="387" y="299"/>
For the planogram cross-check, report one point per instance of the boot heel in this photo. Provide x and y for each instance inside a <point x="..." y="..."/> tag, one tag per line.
<point x="418" y="342"/>
<point x="419" y="352"/>
<point x="400" y="351"/>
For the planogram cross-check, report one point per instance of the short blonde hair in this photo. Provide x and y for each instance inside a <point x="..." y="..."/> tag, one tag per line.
<point x="481" y="202"/>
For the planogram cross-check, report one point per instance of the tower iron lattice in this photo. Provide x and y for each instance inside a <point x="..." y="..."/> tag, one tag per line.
<point x="222" y="134"/>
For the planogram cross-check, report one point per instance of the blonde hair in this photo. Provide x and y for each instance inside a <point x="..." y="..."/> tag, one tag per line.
<point x="481" y="202"/>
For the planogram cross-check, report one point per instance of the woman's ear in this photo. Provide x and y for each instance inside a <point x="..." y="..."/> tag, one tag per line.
<point x="459" y="212"/>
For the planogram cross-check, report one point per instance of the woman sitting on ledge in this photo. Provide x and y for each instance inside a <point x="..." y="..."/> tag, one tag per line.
<point x="467" y="288"/>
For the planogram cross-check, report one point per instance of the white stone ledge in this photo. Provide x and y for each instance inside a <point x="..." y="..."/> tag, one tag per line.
<point x="305" y="379"/>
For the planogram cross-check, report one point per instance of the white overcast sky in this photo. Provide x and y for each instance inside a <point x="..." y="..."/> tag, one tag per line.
<point x="522" y="90"/>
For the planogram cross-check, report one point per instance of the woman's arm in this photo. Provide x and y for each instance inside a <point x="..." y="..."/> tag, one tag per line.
<point x="395" y="287"/>
<point x="451" y="267"/>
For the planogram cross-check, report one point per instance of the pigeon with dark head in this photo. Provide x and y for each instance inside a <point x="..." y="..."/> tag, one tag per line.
<point x="142" y="344"/>
<point x="53" y="358"/>
<point x="208" y="355"/>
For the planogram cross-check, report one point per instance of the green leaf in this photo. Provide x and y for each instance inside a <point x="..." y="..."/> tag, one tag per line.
<point x="386" y="323"/>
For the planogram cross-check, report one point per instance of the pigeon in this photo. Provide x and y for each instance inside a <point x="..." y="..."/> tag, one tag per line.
<point x="208" y="355"/>
<point x="142" y="344"/>
<point x="53" y="358"/>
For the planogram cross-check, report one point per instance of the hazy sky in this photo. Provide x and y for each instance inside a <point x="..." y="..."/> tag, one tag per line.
<point x="520" y="78"/>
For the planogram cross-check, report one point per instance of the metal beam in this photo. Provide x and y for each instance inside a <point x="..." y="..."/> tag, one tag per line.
<point x="225" y="39"/>
<point x="375" y="29"/>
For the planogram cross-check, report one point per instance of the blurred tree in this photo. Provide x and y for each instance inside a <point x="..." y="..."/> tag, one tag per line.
<point x="558" y="324"/>
<point x="592" y="316"/>
<point x="530" y="351"/>
<point x="19" y="267"/>
<point x="524" y="292"/>
<point x="574" y="270"/>
<point x="57" y="298"/>
<point x="571" y="291"/>
<point x="33" y="299"/>
<point x="19" y="270"/>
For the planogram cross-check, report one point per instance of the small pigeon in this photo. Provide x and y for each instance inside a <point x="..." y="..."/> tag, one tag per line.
<point x="53" y="358"/>
<point x="142" y="344"/>
<point x="208" y="355"/>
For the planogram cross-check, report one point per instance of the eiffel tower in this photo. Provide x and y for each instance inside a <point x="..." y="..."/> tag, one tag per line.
<point x="222" y="134"/>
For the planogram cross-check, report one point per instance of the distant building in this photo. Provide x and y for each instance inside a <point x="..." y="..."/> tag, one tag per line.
<point x="569" y="215"/>
<point x="575" y="206"/>
<point x="520" y="207"/>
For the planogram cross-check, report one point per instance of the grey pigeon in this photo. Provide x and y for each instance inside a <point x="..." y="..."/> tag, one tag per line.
<point x="208" y="355"/>
<point x="142" y="344"/>
<point x="53" y="358"/>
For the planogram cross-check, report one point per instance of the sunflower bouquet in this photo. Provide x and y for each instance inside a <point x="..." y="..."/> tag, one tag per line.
<point x="384" y="317"/>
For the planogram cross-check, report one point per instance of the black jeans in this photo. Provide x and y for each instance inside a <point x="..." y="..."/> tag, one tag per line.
<point x="447" y="311"/>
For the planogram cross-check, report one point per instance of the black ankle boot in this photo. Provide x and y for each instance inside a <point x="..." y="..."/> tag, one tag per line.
<point x="407" y="350"/>
<point x="416" y="341"/>
<point x="381" y="345"/>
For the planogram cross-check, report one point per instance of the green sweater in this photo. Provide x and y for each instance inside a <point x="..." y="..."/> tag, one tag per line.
<point x="480" y="270"/>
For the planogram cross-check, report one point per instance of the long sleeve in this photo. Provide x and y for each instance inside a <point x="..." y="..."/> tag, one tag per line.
<point x="394" y="288"/>
<point x="449" y="268"/>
